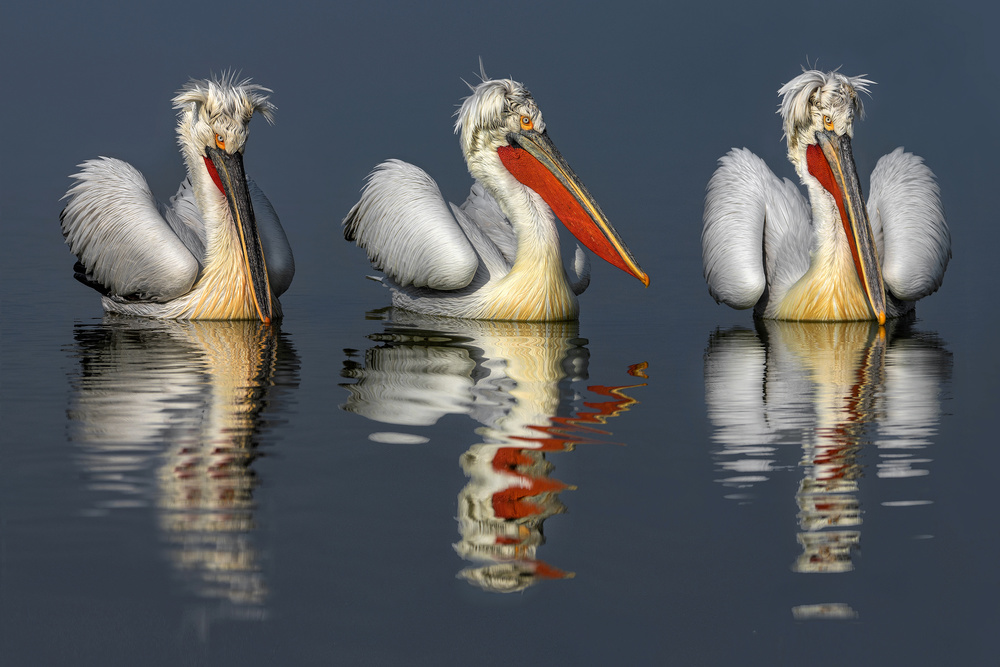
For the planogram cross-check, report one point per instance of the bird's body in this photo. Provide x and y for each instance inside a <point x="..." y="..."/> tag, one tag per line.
<point x="216" y="251"/>
<point x="497" y="256"/>
<point x="765" y="246"/>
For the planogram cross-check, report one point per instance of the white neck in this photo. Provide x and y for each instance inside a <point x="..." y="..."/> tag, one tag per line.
<point x="536" y="286"/>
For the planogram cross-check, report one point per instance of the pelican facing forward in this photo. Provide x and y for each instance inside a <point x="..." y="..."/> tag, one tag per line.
<point x="763" y="247"/>
<point x="216" y="252"/>
<point x="497" y="256"/>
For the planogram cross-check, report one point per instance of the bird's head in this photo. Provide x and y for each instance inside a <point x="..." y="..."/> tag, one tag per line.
<point x="507" y="148"/>
<point x="494" y="114"/>
<point x="216" y="112"/>
<point x="815" y="102"/>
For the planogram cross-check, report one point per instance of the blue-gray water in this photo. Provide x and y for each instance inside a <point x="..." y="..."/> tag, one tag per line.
<point x="356" y="487"/>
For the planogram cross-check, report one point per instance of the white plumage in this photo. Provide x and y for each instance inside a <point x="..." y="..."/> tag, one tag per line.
<point x="496" y="256"/>
<point x="216" y="251"/>
<point x="766" y="246"/>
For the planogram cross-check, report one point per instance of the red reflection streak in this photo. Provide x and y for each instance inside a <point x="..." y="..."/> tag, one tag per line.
<point x="511" y="503"/>
<point x="510" y="493"/>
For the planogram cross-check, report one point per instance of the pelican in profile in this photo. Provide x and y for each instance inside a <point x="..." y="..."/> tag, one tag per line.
<point x="217" y="251"/>
<point x="497" y="256"/>
<point x="764" y="246"/>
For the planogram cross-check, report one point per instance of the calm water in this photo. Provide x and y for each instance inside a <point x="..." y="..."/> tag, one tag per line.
<point x="663" y="482"/>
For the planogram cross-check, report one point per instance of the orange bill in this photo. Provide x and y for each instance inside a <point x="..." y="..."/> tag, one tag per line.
<point x="534" y="161"/>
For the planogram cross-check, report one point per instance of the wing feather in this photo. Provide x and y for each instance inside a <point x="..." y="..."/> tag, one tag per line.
<point x="406" y="227"/>
<point x="484" y="211"/>
<point x="277" y="251"/>
<point x="184" y="218"/>
<point x="745" y="201"/>
<point x="114" y="226"/>
<point x="906" y="213"/>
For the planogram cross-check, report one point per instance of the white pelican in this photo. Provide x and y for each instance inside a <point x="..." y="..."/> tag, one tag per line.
<point x="216" y="252"/>
<point x="762" y="247"/>
<point x="497" y="256"/>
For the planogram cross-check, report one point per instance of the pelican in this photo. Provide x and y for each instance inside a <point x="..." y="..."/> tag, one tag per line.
<point x="217" y="251"/>
<point x="497" y="256"/>
<point x="764" y="246"/>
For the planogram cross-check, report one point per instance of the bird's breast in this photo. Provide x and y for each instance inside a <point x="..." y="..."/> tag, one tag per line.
<point x="829" y="291"/>
<point x="531" y="291"/>
<point x="224" y="291"/>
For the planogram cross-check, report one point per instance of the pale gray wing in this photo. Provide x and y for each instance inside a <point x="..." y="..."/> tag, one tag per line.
<point x="906" y="213"/>
<point x="484" y="211"/>
<point x="113" y="225"/>
<point x="184" y="218"/>
<point x="755" y="233"/>
<point x="406" y="227"/>
<point x="579" y="273"/>
<point x="277" y="251"/>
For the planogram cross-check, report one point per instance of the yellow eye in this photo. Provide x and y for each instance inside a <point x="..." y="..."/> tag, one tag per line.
<point x="527" y="123"/>
<point x="828" y="123"/>
<point x="220" y="142"/>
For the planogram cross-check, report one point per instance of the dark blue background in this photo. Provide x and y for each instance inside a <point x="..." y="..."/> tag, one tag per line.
<point x="354" y="536"/>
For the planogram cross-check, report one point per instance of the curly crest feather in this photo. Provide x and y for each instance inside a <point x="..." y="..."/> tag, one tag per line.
<point x="224" y="95"/>
<point x="486" y="112"/>
<point x="814" y="92"/>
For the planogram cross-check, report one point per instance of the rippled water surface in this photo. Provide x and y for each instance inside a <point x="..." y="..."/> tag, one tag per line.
<point x="665" y="481"/>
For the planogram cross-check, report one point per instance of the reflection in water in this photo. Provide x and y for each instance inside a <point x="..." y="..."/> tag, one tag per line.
<point x="831" y="389"/>
<point x="167" y="413"/>
<point x="515" y="379"/>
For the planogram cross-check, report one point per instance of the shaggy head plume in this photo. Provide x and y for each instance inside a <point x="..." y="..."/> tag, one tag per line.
<point x="221" y="106"/>
<point x="814" y="94"/>
<point x="492" y="110"/>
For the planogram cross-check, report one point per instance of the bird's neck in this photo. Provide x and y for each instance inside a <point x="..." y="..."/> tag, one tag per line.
<point x="830" y="289"/>
<point x="219" y="227"/>
<point x="536" y="287"/>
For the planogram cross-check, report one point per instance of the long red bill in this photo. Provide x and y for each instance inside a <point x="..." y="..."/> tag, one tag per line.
<point x="536" y="163"/>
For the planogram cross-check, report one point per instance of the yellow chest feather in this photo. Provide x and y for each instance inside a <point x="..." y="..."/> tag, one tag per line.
<point x="224" y="291"/>
<point x="825" y="294"/>
<point x="531" y="293"/>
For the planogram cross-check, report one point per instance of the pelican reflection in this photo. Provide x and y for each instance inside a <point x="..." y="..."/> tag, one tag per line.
<point x="831" y="390"/>
<point x="168" y="414"/>
<point x="516" y="380"/>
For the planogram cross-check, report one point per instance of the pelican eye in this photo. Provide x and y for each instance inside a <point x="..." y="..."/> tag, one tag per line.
<point x="220" y="142"/>
<point x="828" y="123"/>
<point x="527" y="123"/>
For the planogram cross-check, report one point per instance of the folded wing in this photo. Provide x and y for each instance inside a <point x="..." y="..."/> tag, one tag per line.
<point x="756" y="230"/>
<point x="409" y="231"/>
<point x="114" y="226"/>
<point x="906" y="214"/>
<point x="277" y="251"/>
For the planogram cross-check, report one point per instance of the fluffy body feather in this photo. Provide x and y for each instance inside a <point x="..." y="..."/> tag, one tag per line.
<point x="185" y="259"/>
<point x="766" y="246"/>
<point x="497" y="255"/>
